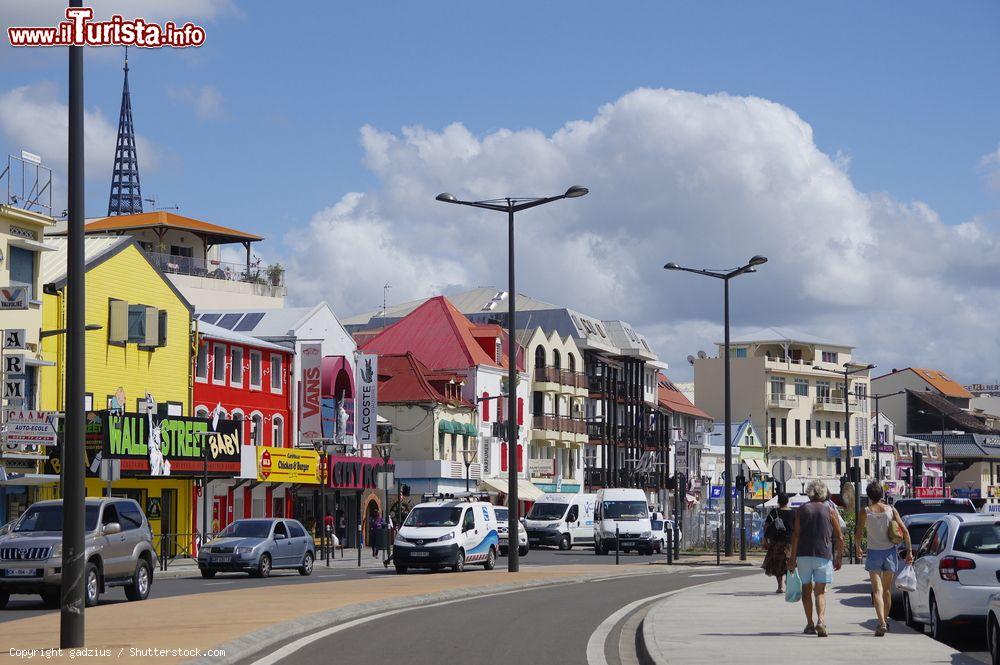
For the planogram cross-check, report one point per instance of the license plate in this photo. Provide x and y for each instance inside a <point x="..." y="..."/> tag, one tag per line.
<point x="219" y="558"/>
<point x="628" y="543"/>
<point x="21" y="572"/>
<point x="420" y="553"/>
<point x="533" y="540"/>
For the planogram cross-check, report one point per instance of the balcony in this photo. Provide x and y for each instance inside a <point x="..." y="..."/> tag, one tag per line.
<point x="787" y="363"/>
<point x="563" y="377"/>
<point x="560" y="424"/>
<point x="781" y="401"/>
<point x="836" y="404"/>
<point x="437" y="469"/>
<point x="222" y="270"/>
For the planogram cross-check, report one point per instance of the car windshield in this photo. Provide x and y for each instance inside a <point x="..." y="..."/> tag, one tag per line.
<point x="502" y="515"/>
<point x="935" y="506"/>
<point x="547" y="511"/>
<point x="247" y="529"/>
<point x="978" y="538"/>
<point x="624" y="510"/>
<point x="657" y="525"/>
<point x="917" y="532"/>
<point x="50" y="518"/>
<point x="433" y="516"/>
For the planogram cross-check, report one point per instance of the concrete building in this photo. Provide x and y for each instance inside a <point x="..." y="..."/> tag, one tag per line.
<point x="917" y="380"/>
<point x="785" y="382"/>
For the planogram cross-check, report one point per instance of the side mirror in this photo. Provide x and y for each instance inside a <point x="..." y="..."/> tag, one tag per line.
<point x="280" y="536"/>
<point x="111" y="529"/>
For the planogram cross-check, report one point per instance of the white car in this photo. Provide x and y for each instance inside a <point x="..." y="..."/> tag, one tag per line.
<point x="659" y="530"/>
<point x="502" y="527"/>
<point x="993" y="628"/>
<point x="956" y="566"/>
<point x="451" y="531"/>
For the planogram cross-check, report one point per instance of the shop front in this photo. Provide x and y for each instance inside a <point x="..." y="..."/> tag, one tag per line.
<point x="268" y="482"/>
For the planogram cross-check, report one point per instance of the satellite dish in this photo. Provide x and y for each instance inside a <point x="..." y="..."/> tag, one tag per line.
<point x="702" y="355"/>
<point x="691" y="359"/>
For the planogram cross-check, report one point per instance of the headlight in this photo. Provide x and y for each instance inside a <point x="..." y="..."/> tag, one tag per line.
<point x="446" y="537"/>
<point x="399" y="541"/>
<point x="56" y="550"/>
<point x="644" y="534"/>
<point x="244" y="549"/>
<point x="552" y="527"/>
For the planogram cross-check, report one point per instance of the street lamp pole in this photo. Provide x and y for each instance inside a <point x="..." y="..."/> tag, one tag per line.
<point x="469" y="456"/>
<point x="384" y="450"/>
<point x="71" y="624"/>
<point x="510" y="206"/>
<point x="725" y="276"/>
<point x="878" y="444"/>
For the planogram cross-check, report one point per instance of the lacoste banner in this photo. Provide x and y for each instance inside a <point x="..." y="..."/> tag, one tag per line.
<point x="366" y="404"/>
<point x="310" y="406"/>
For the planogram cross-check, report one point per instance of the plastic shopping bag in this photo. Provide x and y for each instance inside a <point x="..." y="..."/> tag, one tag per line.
<point x="793" y="586"/>
<point x="906" y="580"/>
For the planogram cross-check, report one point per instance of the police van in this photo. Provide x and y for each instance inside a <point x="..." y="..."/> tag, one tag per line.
<point x="562" y="520"/>
<point x="448" y="530"/>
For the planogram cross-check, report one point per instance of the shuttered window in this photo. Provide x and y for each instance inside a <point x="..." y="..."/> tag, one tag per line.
<point x="117" y="322"/>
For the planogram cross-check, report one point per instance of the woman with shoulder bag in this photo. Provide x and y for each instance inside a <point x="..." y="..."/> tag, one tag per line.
<point x="885" y="530"/>
<point x="778" y="538"/>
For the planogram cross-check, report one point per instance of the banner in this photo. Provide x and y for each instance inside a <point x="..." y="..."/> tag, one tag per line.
<point x="287" y="465"/>
<point x="310" y="404"/>
<point x="366" y="417"/>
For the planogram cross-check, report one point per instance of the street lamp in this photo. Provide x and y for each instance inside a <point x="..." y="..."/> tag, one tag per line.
<point x="725" y="276"/>
<point x="384" y="450"/>
<point x="469" y="456"/>
<point x="878" y="444"/>
<point x="510" y="205"/>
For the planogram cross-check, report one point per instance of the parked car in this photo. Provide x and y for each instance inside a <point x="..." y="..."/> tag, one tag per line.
<point x="448" y="532"/>
<point x="258" y="546"/>
<point x="993" y="628"/>
<point x="118" y="546"/>
<point x="956" y="567"/>
<point x="563" y="520"/>
<point x="927" y="506"/>
<point x="503" y="525"/>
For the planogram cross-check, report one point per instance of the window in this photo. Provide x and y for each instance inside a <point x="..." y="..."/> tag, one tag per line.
<point x="441" y="455"/>
<point x="469" y="523"/>
<point x="801" y="387"/>
<point x="129" y="515"/>
<point x="277" y="431"/>
<point x="219" y="363"/>
<point x="275" y="372"/>
<point x="556" y="360"/>
<point x="777" y="386"/>
<point x="255" y="369"/>
<point x="237" y="416"/>
<point x="828" y="430"/>
<point x="839" y="465"/>
<point x="520" y="410"/>
<point x="257" y="429"/>
<point x="572" y="362"/>
<point x="136" y="323"/>
<point x="822" y="391"/>
<point x="784" y="431"/>
<point x="830" y="357"/>
<point x="110" y="515"/>
<point x="296" y="530"/>
<point x="818" y="429"/>
<point x="201" y="412"/>
<point x="798" y="433"/>
<point x="21" y="263"/>
<point x="201" y="365"/>
<point x="236" y="366"/>
<point x="280" y="530"/>
<point x="539" y="356"/>
<point x="836" y="430"/>
<point x="773" y="433"/>
<point x="739" y="352"/>
<point x="809" y="439"/>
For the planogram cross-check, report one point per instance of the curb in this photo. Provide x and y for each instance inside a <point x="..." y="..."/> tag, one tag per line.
<point x="641" y="651"/>
<point x="252" y="644"/>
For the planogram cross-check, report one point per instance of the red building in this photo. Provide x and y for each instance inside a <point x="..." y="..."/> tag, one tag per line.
<point x="251" y="380"/>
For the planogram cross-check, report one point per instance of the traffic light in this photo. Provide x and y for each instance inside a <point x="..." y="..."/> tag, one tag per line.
<point x="906" y="476"/>
<point x="918" y="467"/>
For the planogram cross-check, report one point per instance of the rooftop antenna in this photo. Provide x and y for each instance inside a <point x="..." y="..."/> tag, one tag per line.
<point x="385" y="300"/>
<point x="126" y="195"/>
<point x="153" y="201"/>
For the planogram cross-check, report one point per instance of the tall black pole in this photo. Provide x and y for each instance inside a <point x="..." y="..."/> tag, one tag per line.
<point x="71" y="625"/>
<point x="728" y="489"/>
<point x="878" y="447"/>
<point x="204" y="491"/>
<point x="323" y="544"/>
<point x="512" y="516"/>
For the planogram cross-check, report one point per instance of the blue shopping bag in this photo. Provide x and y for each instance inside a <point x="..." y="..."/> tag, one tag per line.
<point x="793" y="586"/>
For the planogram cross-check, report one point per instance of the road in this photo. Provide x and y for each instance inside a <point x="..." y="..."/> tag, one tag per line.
<point x="25" y="606"/>
<point x="554" y="624"/>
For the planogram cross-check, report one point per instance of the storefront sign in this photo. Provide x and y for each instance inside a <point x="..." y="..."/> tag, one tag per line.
<point x="541" y="468"/>
<point x="882" y="448"/>
<point x="29" y="428"/>
<point x="170" y="445"/>
<point x="310" y="408"/>
<point x="366" y="419"/>
<point x="13" y="297"/>
<point x="993" y="491"/>
<point x="681" y="456"/>
<point x="834" y="451"/>
<point x="356" y="472"/>
<point x="968" y="493"/>
<point x="14" y="339"/>
<point x="287" y="465"/>
<point x="931" y="492"/>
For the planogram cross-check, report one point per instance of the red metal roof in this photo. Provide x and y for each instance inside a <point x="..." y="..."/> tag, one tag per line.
<point x="674" y="400"/>
<point x="437" y="334"/>
<point x="403" y="378"/>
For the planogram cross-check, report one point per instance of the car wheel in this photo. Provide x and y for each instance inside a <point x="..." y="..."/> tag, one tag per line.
<point x="51" y="599"/>
<point x="307" y="565"/>
<point x="92" y="585"/>
<point x="565" y="543"/>
<point x="4" y="599"/>
<point x="908" y="615"/>
<point x="522" y="551"/>
<point x="993" y="639"/>
<point x="940" y="630"/>
<point x="142" y="580"/>
<point x="400" y="570"/>
<point x="207" y="574"/>
<point x="264" y="567"/>
<point x="459" y="562"/>
<point x="491" y="560"/>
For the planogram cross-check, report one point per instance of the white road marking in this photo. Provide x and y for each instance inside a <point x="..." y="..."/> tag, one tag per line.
<point x="218" y="583"/>
<point x="292" y="647"/>
<point x="706" y="574"/>
<point x="595" y="645"/>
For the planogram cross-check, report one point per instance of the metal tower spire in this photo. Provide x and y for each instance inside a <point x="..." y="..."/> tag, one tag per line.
<point x="126" y="197"/>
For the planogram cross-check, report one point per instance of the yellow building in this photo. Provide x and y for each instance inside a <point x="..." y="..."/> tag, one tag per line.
<point x="143" y="346"/>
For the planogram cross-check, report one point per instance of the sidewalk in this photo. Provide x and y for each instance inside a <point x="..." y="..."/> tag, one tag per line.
<point x="710" y="624"/>
<point x="184" y="567"/>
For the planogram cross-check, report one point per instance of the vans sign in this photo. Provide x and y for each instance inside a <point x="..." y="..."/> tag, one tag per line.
<point x="310" y="407"/>
<point x="366" y="404"/>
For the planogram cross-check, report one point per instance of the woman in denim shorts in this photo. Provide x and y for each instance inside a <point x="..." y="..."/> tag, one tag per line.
<point x="882" y="561"/>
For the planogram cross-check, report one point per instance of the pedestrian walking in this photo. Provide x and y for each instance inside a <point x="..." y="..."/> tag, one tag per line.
<point x="778" y="539"/>
<point x="341" y="526"/>
<point x="885" y="529"/>
<point x="374" y="524"/>
<point x="817" y="550"/>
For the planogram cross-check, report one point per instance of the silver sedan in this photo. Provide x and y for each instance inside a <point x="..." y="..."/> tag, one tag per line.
<point x="258" y="546"/>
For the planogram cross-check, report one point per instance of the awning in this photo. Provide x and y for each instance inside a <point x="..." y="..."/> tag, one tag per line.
<point x="30" y="245"/>
<point x="527" y="492"/>
<point x="446" y="426"/>
<point x="471" y="430"/>
<point x="38" y="362"/>
<point x="494" y="484"/>
<point x="22" y="479"/>
<point x="756" y="466"/>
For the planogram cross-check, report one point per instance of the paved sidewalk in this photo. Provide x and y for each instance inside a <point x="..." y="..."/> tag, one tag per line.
<point x="711" y="624"/>
<point x="189" y="568"/>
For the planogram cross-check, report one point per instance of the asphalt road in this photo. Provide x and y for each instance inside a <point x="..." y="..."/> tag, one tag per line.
<point x="24" y="606"/>
<point x="546" y="625"/>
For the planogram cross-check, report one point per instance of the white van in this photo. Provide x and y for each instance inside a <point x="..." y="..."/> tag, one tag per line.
<point x="448" y="531"/>
<point x="626" y="510"/>
<point x="561" y="519"/>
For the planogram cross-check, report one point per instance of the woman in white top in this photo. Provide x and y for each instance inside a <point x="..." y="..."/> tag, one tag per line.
<point x="882" y="560"/>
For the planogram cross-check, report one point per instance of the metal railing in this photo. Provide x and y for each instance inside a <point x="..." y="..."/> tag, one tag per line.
<point x="836" y="404"/>
<point x="564" y="377"/>
<point x="224" y="270"/>
<point x="176" y="546"/>
<point x="560" y="424"/>
<point x="782" y="401"/>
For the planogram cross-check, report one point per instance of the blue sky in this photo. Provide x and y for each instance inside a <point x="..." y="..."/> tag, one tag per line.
<point x="261" y="129"/>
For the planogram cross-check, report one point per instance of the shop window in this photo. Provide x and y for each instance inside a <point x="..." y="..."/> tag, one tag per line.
<point x="277" y="431"/>
<point x="219" y="363"/>
<point x="236" y="366"/>
<point x="21" y="263"/>
<point x="255" y="361"/>
<point x="257" y="429"/>
<point x="201" y="365"/>
<point x="276" y="373"/>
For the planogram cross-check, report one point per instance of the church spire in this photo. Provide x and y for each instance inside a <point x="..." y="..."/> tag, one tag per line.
<point x="126" y="197"/>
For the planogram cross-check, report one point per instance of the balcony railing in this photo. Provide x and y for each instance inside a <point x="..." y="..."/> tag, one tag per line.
<point x="562" y="376"/>
<point x="780" y="401"/>
<point x="836" y="404"/>
<point x="560" y="424"/>
<point x="787" y="362"/>
<point x="232" y="272"/>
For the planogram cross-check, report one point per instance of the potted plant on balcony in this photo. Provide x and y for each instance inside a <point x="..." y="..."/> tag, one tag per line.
<point x="275" y="274"/>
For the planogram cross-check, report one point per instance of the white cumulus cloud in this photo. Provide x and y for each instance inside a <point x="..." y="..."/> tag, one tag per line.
<point x="205" y="100"/>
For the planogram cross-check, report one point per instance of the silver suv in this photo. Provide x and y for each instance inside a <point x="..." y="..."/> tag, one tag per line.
<point x="119" y="551"/>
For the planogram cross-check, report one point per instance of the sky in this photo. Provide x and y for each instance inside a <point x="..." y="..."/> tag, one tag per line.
<point x="855" y="144"/>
